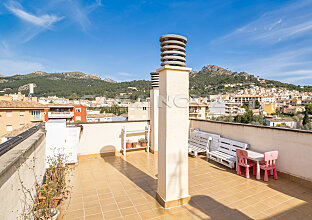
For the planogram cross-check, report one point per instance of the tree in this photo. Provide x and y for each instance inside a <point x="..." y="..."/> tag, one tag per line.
<point x="306" y="119"/>
<point x="308" y="108"/>
<point x="246" y="118"/>
<point x="257" y="104"/>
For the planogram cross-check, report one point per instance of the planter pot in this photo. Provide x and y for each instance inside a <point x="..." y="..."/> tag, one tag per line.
<point x="128" y="145"/>
<point x="56" y="215"/>
<point x="55" y="200"/>
<point x="143" y="144"/>
<point x="56" y="211"/>
<point x="134" y="144"/>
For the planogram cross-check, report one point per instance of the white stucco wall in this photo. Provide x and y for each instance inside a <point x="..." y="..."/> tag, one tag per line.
<point x="14" y="167"/>
<point x="107" y="136"/>
<point x="294" y="146"/>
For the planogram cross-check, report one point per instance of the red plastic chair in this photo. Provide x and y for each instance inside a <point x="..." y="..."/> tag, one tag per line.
<point x="269" y="158"/>
<point x="242" y="158"/>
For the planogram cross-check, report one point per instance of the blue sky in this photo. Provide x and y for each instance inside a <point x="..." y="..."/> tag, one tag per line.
<point x="119" y="39"/>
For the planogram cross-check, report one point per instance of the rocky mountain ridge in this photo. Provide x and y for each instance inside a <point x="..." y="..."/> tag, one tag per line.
<point x="214" y="70"/>
<point x="76" y="75"/>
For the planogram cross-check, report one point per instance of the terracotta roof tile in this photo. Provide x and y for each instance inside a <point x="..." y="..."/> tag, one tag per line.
<point x="4" y="104"/>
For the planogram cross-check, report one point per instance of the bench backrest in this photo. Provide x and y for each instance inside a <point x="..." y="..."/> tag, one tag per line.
<point x="203" y="136"/>
<point x="214" y="144"/>
<point x="229" y="146"/>
<point x="199" y="139"/>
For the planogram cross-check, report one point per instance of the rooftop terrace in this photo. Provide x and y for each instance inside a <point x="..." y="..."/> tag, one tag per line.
<point x="116" y="187"/>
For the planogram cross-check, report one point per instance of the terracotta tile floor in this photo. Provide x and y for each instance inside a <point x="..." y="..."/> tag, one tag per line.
<point x="118" y="188"/>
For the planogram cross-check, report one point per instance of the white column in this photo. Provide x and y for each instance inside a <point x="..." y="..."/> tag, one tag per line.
<point x="154" y="94"/>
<point x="173" y="136"/>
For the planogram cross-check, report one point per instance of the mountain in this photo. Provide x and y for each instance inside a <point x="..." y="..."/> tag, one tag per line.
<point x="109" y="80"/>
<point x="211" y="79"/>
<point x="214" y="70"/>
<point x="73" y="85"/>
<point x="75" y="75"/>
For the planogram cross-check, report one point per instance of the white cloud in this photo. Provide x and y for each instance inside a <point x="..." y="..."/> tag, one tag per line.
<point x="299" y="79"/>
<point x="76" y="11"/>
<point x="286" y="23"/>
<point x="293" y="66"/>
<point x="44" y="21"/>
<point x="125" y="74"/>
<point x="11" y="67"/>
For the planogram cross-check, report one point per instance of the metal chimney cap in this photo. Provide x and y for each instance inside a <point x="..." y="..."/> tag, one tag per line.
<point x="155" y="79"/>
<point x="173" y="50"/>
<point x="173" y="37"/>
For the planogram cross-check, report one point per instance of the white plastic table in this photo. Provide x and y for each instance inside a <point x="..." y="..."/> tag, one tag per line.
<point x="255" y="156"/>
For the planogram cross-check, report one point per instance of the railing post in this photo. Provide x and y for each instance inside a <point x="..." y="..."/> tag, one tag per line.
<point x="148" y="137"/>
<point x="124" y="140"/>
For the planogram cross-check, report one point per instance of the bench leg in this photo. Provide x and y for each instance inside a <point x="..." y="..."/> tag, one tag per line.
<point x="195" y="153"/>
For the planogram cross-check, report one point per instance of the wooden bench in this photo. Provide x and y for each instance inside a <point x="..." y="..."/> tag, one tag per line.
<point x="226" y="152"/>
<point x="199" y="142"/>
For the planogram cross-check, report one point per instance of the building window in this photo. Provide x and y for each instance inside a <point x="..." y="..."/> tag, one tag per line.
<point x="144" y="108"/>
<point x="22" y="113"/>
<point x="9" y="128"/>
<point x="9" y="114"/>
<point x="78" y="110"/>
<point x="36" y="114"/>
<point x="78" y="118"/>
<point x="22" y="125"/>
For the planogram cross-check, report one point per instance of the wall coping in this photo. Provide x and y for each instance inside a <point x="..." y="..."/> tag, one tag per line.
<point x="19" y="153"/>
<point x="106" y="122"/>
<point x="255" y="126"/>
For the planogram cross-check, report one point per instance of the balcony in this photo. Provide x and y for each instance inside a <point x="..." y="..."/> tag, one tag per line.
<point x="60" y="114"/>
<point x="107" y="185"/>
<point x="194" y="111"/>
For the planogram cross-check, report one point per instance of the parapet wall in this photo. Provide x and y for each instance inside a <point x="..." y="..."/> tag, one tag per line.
<point x="16" y="167"/>
<point x="106" y="137"/>
<point x="294" y="146"/>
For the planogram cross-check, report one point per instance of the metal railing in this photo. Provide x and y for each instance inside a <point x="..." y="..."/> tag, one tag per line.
<point x="11" y="143"/>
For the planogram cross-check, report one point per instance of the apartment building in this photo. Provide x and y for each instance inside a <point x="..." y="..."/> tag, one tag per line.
<point x="72" y="113"/>
<point x="100" y="117"/>
<point x="139" y="111"/>
<point x="269" y="108"/>
<point x="197" y="110"/>
<point x="246" y="99"/>
<point x="53" y="100"/>
<point x="18" y="97"/>
<point x="304" y="102"/>
<point x="281" y="122"/>
<point x="223" y="108"/>
<point x="16" y="114"/>
<point x="293" y="109"/>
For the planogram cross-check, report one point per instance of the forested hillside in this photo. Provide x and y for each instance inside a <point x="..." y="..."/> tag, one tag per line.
<point x="210" y="80"/>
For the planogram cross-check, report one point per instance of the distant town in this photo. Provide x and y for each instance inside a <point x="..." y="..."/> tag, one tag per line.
<point x="275" y="107"/>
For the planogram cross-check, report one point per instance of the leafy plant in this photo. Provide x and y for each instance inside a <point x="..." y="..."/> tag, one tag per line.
<point x="142" y="140"/>
<point x="45" y="197"/>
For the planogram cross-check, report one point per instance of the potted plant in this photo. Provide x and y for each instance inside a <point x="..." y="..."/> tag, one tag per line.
<point x="128" y="144"/>
<point x="134" y="144"/>
<point x="43" y="203"/>
<point x="142" y="142"/>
